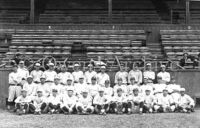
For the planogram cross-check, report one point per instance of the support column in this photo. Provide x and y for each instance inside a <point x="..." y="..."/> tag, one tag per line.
<point x="187" y="12"/>
<point x="32" y="12"/>
<point x="110" y="11"/>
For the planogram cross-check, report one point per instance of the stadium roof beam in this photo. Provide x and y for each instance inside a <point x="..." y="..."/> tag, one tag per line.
<point x="188" y="10"/>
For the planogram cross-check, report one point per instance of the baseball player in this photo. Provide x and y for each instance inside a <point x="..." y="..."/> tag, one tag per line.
<point x="50" y="74"/>
<point x="144" y="86"/>
<point x="120" y="85"/>
<point x="149" y="101"/>
<point x="148" y="73"/>
<point x="84" y="105"/>
<point x="46" y="90"/>
<point x="102" y="76"/>
<point x="23" y="72"/>
<point x="185" y="102"/>
<point x="69" y="101"/>
<point x="79" y="87"/>
<point x="135" y="72"/>
<point x="64" y="89"/>
<point x="108" y="91"/>
<point x="56" y="85"/>
<point x="131" y="86"/>
<point x="54" y="102"/>
<point x="64" y="75"/>
<point x="101" y="103"/>
<point x="36" y="74"/>
<point x="77" y="73"/>
<point x="164" y="103"/>
<point x="135" y="102"/>
<point x="39" y="103"/>
<point x="30" y="87"/>
<point x="93" y="87"/>
<point x="159" y="87"/>
<point x="165" y="76"/>
<point x="90" y="74"/>
<point x="14" y="89"/>
<point x="22" y="103"/>
<point x="119" y="102"/>
<point x="122" y="74"/>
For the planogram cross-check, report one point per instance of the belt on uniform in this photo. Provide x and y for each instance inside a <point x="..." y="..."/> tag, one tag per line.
<point x="14" y="84"/>
<point x="49" y="81"/>
<point x="36" y="82"/>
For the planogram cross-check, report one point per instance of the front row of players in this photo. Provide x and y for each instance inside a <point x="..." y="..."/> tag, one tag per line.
<point x="69" y="103"/>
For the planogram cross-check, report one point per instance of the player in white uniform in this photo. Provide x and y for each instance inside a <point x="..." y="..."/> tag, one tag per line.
<point x="14" y="89"/>
<point x="23" y="72"/>
<point x="50" y="74"/>
<point x="69" y="101"/>
<point x="64" y="75"/>
<point x="93" y="87"/>
<point x="131" y="86"/>
<point x="90" y="74"/>
<point x="79" y="87"/>
<point x="108" y="91"/>
<point x="164" y="103"/>
<point x="69" y="84"/>
<point x="144" y="86"/>
<point x="185" y="102"/>
<point x="77" y="73"/>
<point x="30" y="87"/>
<point x="149" y="101"/>
<point x="84" y="105"/>
<point x="135" y="72"/>
<point x="165" y="76"/>
<point x="56" y="85"/>
<point x="159" y="87"/>
<point x="46" y="90"/>
<point x="101" y="102"/>
<point x="122" y="74"/>
<point x="36" y="74"/>
<point x="148" y="73"/>
<point x="120" y="85"/>
<point x="102" y="76"/>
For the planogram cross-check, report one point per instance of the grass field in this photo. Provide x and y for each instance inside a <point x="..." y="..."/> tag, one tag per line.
<point x="169" y="120"/>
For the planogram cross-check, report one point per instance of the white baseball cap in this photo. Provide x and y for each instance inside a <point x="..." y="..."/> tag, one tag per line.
<point x="76" y="65"/>
<point x="51" y="64"/>
<point x="163" y="66"/>
<point x="182" y="89"/>
<point x="103" y="67"/>
<point x="29" y="76"/>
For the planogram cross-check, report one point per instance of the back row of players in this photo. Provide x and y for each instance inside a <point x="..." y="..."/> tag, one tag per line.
<point x="90" y="92"/>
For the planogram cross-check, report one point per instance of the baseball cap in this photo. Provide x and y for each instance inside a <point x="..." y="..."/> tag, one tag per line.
<point x="29" y="76"/>
<point x="51" y="64"/>
<point x="76" y="65"/>
<point x="21" y="62"/>
<point x="42" y="77"/>
<point x="148" y="64"/>
<point x="163" y="66"/>
<point x="90" y="65"/>
<point x="37" y="64"/>
<point x="182" y="89"/>
<point x="103" y="67"/>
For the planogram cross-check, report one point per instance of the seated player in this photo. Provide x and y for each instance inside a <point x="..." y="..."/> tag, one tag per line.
<point x="185" y="102"/>
<point x="108" y="91"/>
<point x="159" y="87"/>
<point x="69" y="84"/>
<point x="119" y="102"/>
<point x="69" y="101"/>
<point x="132" y="85"/>
<point x="93" y="87"/>
<point x="101" y="103"/>
<point x="22" y="103"/>
<point x="135" y="102"/>
<point x="39" y="103"/>
<point x="80" y="86"/>
<point x="164" y="103"/>
<point x="54" y="102"/>
<point x="46" y="90"/>
<point x="30" y="87"/>
<point x="120" y="85"/>
<point x="144" y="86"/>
<point x="149" y="100"/>
<point x="84" y="105"/>
<point x="56" y="85"/>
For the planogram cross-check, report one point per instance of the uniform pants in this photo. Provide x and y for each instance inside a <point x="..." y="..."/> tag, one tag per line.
<point x="24" y="106"/>
<point x="40" y="107"/>
<point x="13" y="92"/>
<point x="67" y="109"/>
<point x="118" y="106"/>
<point x="81" y="108"/>
<point x="55" y="107"/>
<point x="98" y="108"/>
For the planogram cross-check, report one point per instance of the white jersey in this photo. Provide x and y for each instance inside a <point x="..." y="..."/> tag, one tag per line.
<point x="39" y="100"/>
<point x="93" y="89"/>
<point x="23" y="73"/>
<point x="77" y="75"/>
<point x="149" y="75"/>
<point x="46" y="90"/>
<point x="30" y="88"/>
<point x="108" y="91"/>
<point x="119" y="99"/>
<point x="23" y="100"/>
<point x="89" y="75"/>
<point x="64" y="89"/>
<point x="131" y="87"/>
<point x="136" y="74"/>
<point x="101" y="78"/>
<point x="123" y="75"/>
<point x="185" y="100"/>
<point x="55" y="100"/>
<point x="64" y="76"/>
<point x="173" y="87"/>
<point x="164" y="75"/>
<point x="36" y="75"/>
<point x="158" y="88"/>
<point x="79" y="88"/>
<point x="175" y="96"/>
<point x="149" y="100"/>
<point x="69" y="101"/>
<point x="57" y="87"/>
<point x="100" y="100"/>
<point x="14" y="78"/>
<point x="143" y="89"/>
<point x="134" y="98"/>
<point x="123" y="87"/>
<point x="165" y="101"/>
<point x="85" y="101"/>
<point x="49" y="75"/>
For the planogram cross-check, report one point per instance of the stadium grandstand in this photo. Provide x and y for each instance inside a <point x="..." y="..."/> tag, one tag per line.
<point x="116" y="31"/>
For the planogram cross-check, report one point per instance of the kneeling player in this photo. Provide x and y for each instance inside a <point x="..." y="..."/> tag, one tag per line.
<point x="185" y="102"/>
<point x="22" y="103"/>
<point x="101" y="103"/>
<point x="119" y="102"/>
<point x="135" y="102"/>
<point x="148" y="101"/>
<point x="164" y="103"/>
<point x="69" y="102"/>
<point x="54" y="102"/>
<point x="84" y="105"/>
<point x="39" y="103"/>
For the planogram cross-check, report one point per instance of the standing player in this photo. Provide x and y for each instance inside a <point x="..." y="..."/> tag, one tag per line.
<point x="108" y="91"/>
<point x="23" y="72"/>
<point x="79" y="87"/>
<point x="77" y="73"/>
<point x="159" y="87"/>
<point x="185" y="102"/>
<point x="64" y="75"/>
<point x="121" y="74"/>
<point x="90" y="74"/>
<point x="36" y="74"/>
<point x="93" y="87"/>
<point x="50" y="75"/>
<point x="165" y="76"/>
<point x="148" y="73"/>
<point x="102" y="76"/>
<point x="120" y="85"/>
<point x="64" y="88"/>
<point x="136" y="73"/>
<point x="30" y="87"/>
<point x="84" y="105"/>
<point x="133" y="84"/>
<point x="56" y="85"/>
<point x="46" y="90"/>
<point x="144" y="86"/>
<point x="14" y="86"/>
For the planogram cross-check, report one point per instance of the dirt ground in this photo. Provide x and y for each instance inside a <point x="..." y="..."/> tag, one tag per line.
<point x="167" y="120"/>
